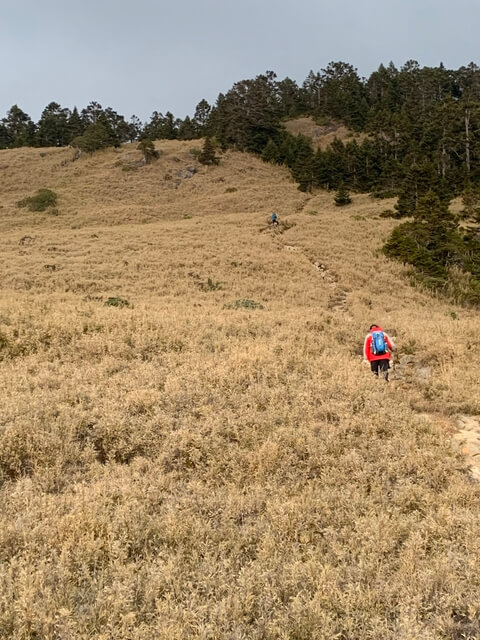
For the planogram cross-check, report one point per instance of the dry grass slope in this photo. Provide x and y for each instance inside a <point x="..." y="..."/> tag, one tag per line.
<point x="322" y="135"/>
<point x="189" y="466"/>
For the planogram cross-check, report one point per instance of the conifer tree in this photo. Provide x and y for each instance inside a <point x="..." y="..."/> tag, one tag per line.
<point x="342" y="197"/>
<point x="19" y="127"/>
<point x="303" y="168"/>
<point x="186" y="130"/>
<point x="76" y="125"/>
<point x="207" y="155"/>
<point x="419" y="178"/>
<point x="96" y="136"/>
<point x="203" y="112"/>
<point x="52" y="128"/>
<point x="431" y="242"/>
<point x="135" y="128"/>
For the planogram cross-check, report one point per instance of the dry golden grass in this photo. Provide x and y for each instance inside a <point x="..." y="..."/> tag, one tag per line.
<point x="322" y="135"/>
<point x="181" y="468"/>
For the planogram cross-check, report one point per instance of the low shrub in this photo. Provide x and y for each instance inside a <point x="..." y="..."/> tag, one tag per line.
<point x="244" y="303"/>
<point x="116" y="302"/>
<point x="209" y="285"/>
<point x="41" y="201"/>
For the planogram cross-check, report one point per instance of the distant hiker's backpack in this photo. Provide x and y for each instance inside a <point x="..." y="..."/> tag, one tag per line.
<point x="379" y="344"/>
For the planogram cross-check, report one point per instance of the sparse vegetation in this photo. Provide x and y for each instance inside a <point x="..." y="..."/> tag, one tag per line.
<point x="244" y="303"/>
<point x="208" y="285"/>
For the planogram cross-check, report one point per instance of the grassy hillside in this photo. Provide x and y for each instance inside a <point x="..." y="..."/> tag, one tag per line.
<point x="212" y="460"/>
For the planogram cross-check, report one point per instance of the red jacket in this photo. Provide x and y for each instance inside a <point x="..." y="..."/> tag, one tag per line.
<point x="367" y="351"/>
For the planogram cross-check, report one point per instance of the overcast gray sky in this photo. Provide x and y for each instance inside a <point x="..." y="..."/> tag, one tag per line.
<point x="138" y="56"/>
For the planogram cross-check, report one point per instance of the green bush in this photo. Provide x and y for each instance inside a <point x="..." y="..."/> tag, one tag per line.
<point x="41" y="201"/>
<point x="244" y="303"/>
<point x="117" y="302"/>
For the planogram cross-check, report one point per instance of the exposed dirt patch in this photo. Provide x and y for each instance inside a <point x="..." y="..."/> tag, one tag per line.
<point x="467" y="439"/>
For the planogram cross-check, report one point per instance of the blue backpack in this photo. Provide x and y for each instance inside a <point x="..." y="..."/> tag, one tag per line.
<point x="379" y="344"/>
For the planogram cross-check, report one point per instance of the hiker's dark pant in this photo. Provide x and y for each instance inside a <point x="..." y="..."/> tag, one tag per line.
<point x="380" y="365"/>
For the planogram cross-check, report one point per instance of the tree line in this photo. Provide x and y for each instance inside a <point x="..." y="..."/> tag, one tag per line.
<point x="420" y="143"/>
<point x="421" y="126"/>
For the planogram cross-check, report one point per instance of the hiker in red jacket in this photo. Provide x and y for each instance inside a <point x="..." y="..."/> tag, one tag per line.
<point x="377" y="349"/>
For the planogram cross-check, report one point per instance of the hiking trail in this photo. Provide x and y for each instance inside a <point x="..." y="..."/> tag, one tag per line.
<point x="338" y="297"/>
<point x="464" y="429"/>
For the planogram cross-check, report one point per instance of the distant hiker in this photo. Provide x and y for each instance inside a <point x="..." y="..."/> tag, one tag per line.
<point x="377" y="349"/>
<point x="274" y="219"/>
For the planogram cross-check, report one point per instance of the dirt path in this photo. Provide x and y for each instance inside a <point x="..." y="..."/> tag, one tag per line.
<point x="338" y="299"/>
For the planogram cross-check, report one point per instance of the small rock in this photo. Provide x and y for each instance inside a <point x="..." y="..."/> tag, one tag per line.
<point x="423" y="373"/>
<point x="26" y="240"/>
<point x="189" y="172"/>
<point x="405" y="360"/>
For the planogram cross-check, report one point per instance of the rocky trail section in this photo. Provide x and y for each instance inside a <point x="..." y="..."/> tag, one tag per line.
<point x="338" y="297"/>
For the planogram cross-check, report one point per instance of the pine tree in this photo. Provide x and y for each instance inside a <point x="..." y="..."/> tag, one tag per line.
<point x="419" y="178"/>
<point x="202" y="114"/>
<point x="303" y="166"/>
<point x="431" y="242"/>
<point x="96" y="136"/>
<point x="207" y="155"/>
<point x="52" y="128"/>
<point x="19" y="128"/>
<point x="342" y="196"/>
<point x="76" y="125"/>
<point x="186" y="130"/>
